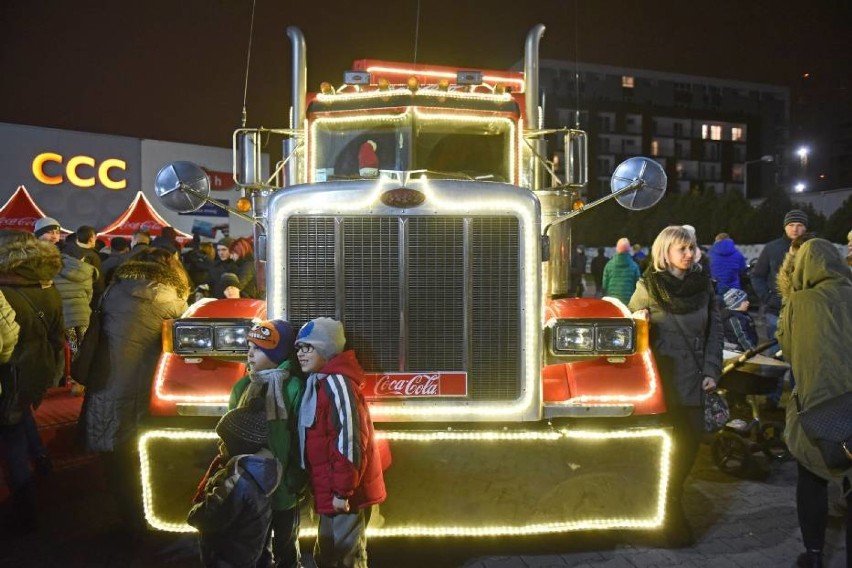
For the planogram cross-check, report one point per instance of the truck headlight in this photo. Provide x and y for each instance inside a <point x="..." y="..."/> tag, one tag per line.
<point x="193" y="338"/>
<point x="575" y="338"/>
<point x="588" y="337"/>
<point x="232" y="338"/>
<point x="614" y="339"/>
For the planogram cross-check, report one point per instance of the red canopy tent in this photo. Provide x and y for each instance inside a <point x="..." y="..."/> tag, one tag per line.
<point x="139" y="216"/>
<point x="21" y="212"/>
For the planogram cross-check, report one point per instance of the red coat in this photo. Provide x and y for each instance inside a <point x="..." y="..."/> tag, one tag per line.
<point x="340" y="450"/>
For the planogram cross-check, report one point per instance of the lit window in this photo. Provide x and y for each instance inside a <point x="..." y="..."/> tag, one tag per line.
<point x="715" y="132"/>
<point x="627" y="81"/>
<point x="737" y="134"/>
<point x="705" y="131"/>
<point x="655" y="148"/>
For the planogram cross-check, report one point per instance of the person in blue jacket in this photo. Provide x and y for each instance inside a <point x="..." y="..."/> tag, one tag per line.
<point x="726" y="264"/>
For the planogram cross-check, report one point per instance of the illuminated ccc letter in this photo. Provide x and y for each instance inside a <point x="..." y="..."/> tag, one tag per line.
<point x="38" y="168"/>
<point x="103" y="171"/>
<point x="73" y="176"/>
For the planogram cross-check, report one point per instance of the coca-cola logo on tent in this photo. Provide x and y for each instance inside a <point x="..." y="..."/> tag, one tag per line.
<point x="22" y="223"/>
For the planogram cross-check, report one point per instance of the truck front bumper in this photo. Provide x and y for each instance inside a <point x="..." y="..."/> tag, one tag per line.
<point x="465" y="483"/>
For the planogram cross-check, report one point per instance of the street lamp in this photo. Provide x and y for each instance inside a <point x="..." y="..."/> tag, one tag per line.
<point x="800" y="187"/>
<point x="765" y="158"/>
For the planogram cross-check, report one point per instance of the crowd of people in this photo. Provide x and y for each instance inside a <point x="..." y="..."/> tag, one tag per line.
<point x="298" y="424"/>
<point x="696" y="304"/>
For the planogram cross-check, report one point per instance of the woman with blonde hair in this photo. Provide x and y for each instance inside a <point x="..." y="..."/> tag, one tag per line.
<point x="678" y="299"/>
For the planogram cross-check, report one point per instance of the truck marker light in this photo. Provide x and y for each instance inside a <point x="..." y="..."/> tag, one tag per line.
<point x="654" y="518"/>
<point x="384" y="94"/>
<point x="243" y="205"/>
<point x="519" y="82"/>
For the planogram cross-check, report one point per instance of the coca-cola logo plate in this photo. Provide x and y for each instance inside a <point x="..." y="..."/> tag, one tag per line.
<point x="416" y="385"/>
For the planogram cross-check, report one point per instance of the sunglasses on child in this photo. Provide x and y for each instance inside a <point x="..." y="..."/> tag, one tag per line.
<point x="304" y="348"/>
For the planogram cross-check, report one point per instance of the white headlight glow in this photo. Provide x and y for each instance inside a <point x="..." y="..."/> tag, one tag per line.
<point x="231" y="337"/>
<point x="575" y="338"/>
<point x="193" y="337"/>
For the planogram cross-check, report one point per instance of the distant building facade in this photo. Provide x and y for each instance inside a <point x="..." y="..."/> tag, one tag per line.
<point x="705" y="132"/>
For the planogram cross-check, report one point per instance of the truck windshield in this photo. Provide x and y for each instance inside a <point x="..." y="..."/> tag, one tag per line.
<point x="447" y="145"/>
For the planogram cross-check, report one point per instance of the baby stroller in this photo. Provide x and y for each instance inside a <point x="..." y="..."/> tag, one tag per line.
<point x="749" y="374"/>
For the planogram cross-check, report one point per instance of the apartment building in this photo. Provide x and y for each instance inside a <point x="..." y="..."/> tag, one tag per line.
<point x="709" y="134"/>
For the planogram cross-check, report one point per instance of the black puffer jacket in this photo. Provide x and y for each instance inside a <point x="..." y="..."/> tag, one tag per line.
<point x="26" y="273"/>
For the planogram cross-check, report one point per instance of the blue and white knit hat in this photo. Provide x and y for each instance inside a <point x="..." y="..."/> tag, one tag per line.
<point x="325" y="334"/>
<point x="734" y="297"/>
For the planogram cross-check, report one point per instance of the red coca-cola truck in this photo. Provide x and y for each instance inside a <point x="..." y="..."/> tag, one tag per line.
<point x="420" y="206"/>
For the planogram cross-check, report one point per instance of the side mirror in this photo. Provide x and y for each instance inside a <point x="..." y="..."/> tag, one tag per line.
<point x="182" y="186"/>
<point x="650" y="190"/>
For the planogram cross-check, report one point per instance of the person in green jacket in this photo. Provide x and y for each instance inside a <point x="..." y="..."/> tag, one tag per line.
<point x="813" y="332"/>
<point x="621" y="273"/>
<point x="274" y="376"/>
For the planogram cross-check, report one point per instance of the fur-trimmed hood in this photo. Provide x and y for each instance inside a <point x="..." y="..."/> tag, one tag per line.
<point x="153" y="272"/>
<point x="37" y="261"/>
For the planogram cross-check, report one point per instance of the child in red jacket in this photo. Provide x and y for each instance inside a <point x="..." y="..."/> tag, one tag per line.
<point x="337" y="446"/>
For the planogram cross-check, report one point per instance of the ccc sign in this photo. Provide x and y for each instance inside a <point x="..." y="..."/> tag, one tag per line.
<point x="81" y="171"/>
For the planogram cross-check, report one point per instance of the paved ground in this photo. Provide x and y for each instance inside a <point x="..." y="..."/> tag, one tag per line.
<point x="749" y="523"/>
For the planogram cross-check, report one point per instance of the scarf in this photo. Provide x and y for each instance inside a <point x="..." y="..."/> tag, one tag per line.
<point x="676" y="296"/>
<point x="308" y="412"/>
<point x="274" y="382"/>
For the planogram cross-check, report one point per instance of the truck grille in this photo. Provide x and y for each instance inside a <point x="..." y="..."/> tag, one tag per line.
<point x="415" y="293"/>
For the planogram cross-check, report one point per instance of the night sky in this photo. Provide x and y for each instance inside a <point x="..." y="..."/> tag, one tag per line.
<point x="174" y="69"/>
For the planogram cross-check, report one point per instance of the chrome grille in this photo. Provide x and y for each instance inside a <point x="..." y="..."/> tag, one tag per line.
<point x="415" y="293"/>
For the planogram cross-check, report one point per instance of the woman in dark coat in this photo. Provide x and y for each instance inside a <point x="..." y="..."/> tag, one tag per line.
<point x="148" y="288"/>
<point x="814" y="330"/>
<point x="678" y="298"/>
<point x="27" y="268"/>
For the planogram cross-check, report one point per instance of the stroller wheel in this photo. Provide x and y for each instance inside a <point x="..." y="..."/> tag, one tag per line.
<point x="731" y="453"/>
<point x="773" y="445"/>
